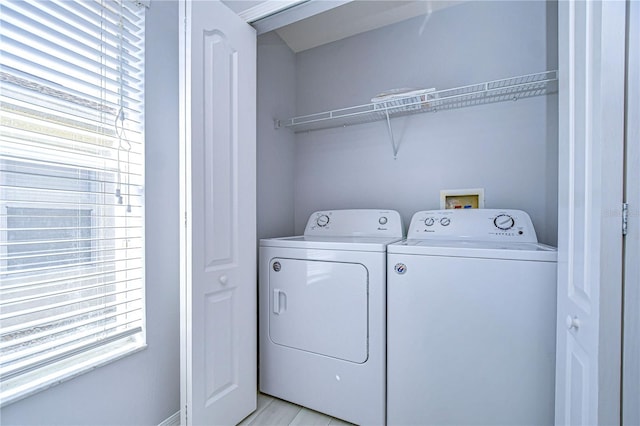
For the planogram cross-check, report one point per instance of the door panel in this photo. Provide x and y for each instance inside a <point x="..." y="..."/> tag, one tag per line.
<point x="219" y="136"/>
<point x="221" y="367"/>
<point x="320" y="307"/>
<point x="218" y="256"/>
<point x="578" y="367"/>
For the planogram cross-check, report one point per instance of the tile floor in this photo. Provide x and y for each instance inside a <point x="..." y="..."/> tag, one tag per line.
<point x="276" y="412"/>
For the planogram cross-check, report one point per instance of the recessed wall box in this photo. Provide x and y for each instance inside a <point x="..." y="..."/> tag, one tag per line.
<point x="462" y="198"/>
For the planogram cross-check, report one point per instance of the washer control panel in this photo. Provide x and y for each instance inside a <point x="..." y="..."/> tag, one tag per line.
<point x="473" y="224"/>
<point x="355" y="223"/>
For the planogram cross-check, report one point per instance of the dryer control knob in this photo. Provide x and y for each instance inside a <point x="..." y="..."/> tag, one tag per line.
<point x="322" y="220"/>
<point x="429" y="221"/>
<point x="445" y="221"/>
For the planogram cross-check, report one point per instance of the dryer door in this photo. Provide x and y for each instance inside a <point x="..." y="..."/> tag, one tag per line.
<point x="320" y="307"/>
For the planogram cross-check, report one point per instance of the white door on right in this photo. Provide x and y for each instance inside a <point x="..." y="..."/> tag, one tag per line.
<point x="631" y="360"/>
<point x="591" y="41"/>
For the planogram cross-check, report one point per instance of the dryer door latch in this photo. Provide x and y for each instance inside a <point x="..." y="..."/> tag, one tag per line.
<point x="279" y="301"/>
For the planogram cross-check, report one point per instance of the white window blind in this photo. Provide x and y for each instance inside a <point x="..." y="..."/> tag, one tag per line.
<point x="71" y="180"/>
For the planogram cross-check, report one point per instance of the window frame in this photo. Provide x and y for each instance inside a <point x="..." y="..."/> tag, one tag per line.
<point x="43" y="377"/>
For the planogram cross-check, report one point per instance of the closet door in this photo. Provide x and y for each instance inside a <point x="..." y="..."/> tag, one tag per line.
<point x="591" y="36"/>
<point x="631" y="360"/>
<point x="218" y="150"/>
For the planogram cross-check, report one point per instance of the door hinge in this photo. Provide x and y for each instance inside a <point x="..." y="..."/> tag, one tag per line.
<point x="625" y="218"/>
<point x="185" y="220"/>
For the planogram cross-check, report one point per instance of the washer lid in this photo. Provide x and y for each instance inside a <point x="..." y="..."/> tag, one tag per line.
<point x="378" y="244"/>
<point x="481" y="249"/>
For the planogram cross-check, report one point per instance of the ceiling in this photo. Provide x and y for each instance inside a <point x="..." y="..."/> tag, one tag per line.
<point x="337" y="19"/>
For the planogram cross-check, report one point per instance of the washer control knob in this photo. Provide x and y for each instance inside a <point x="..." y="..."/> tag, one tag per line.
<point x="429" y="221"/>
<point x="445" y="221"/>
<point x="383" y="220"/>
<point x="504" y="222"/>
<point x="322" y="220"/>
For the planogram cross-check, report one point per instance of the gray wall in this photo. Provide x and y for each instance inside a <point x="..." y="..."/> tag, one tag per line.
<point x="276" y="148"/>
<point x="144" y="388"/>
<point x="509" y="149"/>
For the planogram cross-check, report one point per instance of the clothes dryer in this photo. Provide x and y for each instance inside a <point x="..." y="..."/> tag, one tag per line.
<point x="322" y="302"/>
<point x="471" y="321"/>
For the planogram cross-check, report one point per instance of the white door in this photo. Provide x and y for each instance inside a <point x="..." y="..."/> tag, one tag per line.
<point x="631" y="360"/>
<point x="591" y="36"/>
<point x="218" y="282"/>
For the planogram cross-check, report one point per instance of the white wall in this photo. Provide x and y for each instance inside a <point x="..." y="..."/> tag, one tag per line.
<point x="144" y="388"/>
<point x="509" y="149"/>
<point x="276" y="149"/>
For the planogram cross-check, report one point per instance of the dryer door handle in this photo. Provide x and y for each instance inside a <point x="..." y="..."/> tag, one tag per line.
<point x="279" y="301"/>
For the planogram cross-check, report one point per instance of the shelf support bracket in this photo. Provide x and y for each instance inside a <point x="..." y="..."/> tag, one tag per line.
<point x="393" y="141"/>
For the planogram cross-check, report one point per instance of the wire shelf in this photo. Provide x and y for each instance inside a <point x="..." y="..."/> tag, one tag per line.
<point x="508" y="89"/>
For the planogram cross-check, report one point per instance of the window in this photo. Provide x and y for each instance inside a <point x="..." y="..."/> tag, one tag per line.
<point x="71" y="180"/>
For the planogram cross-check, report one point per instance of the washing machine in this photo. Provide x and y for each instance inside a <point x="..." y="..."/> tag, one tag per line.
<point x="322" y="303"/>
<point x="471" y="321"/>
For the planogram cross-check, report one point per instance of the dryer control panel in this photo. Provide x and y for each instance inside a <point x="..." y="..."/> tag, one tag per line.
<point x="355" y="223"/>
<point x="473" y="225"/>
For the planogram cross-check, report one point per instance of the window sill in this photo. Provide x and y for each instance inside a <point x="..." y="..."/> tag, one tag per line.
<point x="17" y="388"/>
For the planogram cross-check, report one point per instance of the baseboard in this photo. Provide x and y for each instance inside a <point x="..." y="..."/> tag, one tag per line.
<point x="173" y="420"/>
